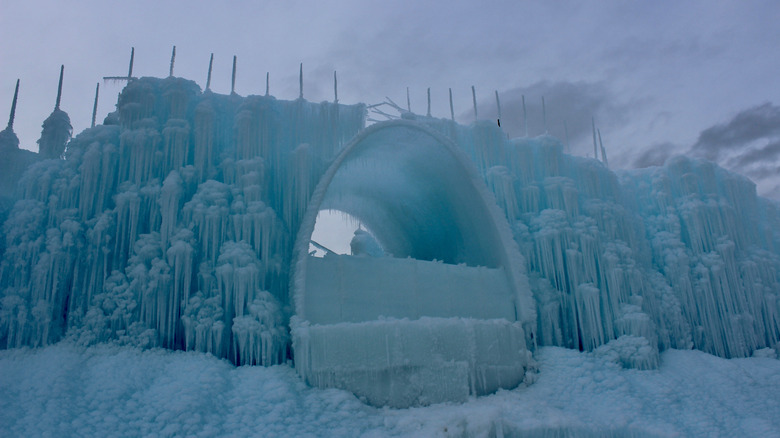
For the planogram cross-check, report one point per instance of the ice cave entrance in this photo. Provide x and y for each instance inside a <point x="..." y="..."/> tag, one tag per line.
<point x="428" y="305"/>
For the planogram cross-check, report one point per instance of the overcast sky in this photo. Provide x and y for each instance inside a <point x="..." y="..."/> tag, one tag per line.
<point x="660" y="77"/>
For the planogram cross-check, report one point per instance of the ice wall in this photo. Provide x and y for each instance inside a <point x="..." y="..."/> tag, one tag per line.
<point x="172" y="224"/>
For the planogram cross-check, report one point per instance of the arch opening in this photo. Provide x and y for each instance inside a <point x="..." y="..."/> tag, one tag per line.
<point x="446" y="270"/>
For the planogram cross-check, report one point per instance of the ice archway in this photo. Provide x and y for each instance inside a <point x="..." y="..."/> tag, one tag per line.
<point x="445" y="315"/>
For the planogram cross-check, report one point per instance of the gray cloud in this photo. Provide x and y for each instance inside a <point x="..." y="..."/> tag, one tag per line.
<point x="759" y="122"/>
<point x="571" y="102"/>
<point x="656" y="155"/>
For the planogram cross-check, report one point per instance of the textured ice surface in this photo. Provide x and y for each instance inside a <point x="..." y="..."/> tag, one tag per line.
<point x="174" y="224"/>
<point x="104" y="390"/>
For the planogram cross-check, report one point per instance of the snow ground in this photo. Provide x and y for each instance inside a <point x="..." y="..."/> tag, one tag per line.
<point x="68" y="390"/>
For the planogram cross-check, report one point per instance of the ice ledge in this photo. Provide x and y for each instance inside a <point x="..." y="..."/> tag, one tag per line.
<point x="402" y="363"/>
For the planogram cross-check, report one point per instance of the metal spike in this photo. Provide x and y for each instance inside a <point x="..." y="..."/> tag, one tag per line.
<point x="13" y="107"/>
<point x="474" y="98"/>
<point x="233" y="77"/>
<point x="208" y="78"/>
<point x="130" y="69"/>
<point x="59" y="88"/>
<point x="94" y="107"/>
<point x="429" y="102"/>
<point x="173" y="59"/>
<point x="452" y="108"/>
<point x="300" y="82"/>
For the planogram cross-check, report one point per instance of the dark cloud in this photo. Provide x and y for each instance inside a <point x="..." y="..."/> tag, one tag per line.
<point x="569" y="107"/>
<point x="760" y="122"/>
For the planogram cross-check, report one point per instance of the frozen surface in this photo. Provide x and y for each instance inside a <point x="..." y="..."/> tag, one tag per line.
<point x="65" y="390"/>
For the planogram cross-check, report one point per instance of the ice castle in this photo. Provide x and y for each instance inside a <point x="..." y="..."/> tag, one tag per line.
<point x="185" y="221"/>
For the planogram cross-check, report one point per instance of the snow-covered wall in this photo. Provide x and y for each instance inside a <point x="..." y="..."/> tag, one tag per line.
<point x="173" y="224"/>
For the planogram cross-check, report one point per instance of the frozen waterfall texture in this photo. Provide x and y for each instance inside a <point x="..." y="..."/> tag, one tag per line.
<point x="184" y="221"/>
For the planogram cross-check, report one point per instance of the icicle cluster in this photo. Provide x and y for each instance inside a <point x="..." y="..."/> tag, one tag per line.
<point x="682" y="256"/>
<point x="171" y="227"/>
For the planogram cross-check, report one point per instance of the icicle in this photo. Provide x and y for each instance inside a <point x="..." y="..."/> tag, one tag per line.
<point x="603" y="151"/>
<point x="59" y="88"/>
<point x="300" y="82"/>
<point x="408" y="101"/>
<point x="593" y="128"/>
<point x="452" y="108"/>
<point x="566" y="132"/>
<point x="335" y="88"/>
<point x="233" y="77"/>
<point x="267" y="82"/>
<point x="94" y="107"/>
<point x="429" y="102"/>
<point x="13" y="107"/>
<point x="208" y="78"/>
<point x="173" y="59"/>
<point x="544" y="115"/>
<point x="474" y="98"/>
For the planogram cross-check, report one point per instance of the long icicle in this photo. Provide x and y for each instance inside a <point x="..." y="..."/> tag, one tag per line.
<point x="474" y="98"/>
<point x="452" y="108"/>
<point x="208" y="78"/>
<point x="94" y="107"/>
<point x="544" y="115"/>
<point x="13" y="107"/>
<point x="267" y="83"/>
<point x="173" y="59"/>
<point x="59" y="88"/>
<point x="429" y="102"/>
<point x="233" y="77"/>
<point x="408" y="101"/>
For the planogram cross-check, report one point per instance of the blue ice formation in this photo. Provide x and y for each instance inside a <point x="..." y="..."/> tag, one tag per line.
<point x="184" y="221"/>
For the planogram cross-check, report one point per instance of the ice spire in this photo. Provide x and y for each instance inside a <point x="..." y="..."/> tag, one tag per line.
<point x="233" y="77"/>
<point x="94" y="107"/>
<point x="173" y="59"/>
<point x="335" y="88"/>
<point x="593" y="127"/>
<point x="56" y="128"/>
<point x="452" y="109"/>
<point x="59" y="89"/>
<point x="7" y="137"/>
<point x="603" y="151"/>
<point x="267" y="82"/>
<point x="408" y="101"/>
<point x="525" y="117"/>
<point x="13" y="107"/>
<point x="208" y="78"/>
<point x="498" y="105"/>
<point x="300" y="82"/>
<point x="474" y="98"/>
<point x="429" y="102"/>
